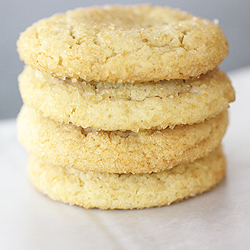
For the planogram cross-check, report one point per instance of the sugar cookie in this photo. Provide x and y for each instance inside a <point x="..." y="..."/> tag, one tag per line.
<point x="129" y="106"/>
<point x="127" y="191"/>
<point x="123" y="44"/>
<point x="117" y="152"/>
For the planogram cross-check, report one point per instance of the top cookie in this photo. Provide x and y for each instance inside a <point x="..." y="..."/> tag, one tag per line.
<point x="123" y="44"/>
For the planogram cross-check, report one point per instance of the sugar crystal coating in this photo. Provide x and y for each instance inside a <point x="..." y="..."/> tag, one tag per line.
<point x="127" y="191"/>
<point x="123" y="44"/>
<point x="137" y="106"/>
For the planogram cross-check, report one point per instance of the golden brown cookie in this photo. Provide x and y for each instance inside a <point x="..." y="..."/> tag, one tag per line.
<point x="129" y="106"/>
<point x="123" y="44"/>
<point x="127" y="191"/>
<point x="117" y="152"/>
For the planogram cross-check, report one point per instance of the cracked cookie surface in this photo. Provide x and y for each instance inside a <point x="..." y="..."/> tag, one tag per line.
<point x="117" y="152"/>
<point x="123" y="44"/>
<point x="106" y="106"/>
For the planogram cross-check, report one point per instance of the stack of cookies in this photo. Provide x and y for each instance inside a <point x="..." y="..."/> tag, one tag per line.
<point x="124" y="106"/>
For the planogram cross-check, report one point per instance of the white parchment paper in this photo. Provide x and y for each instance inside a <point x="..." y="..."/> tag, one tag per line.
<point x="219" y="219"/>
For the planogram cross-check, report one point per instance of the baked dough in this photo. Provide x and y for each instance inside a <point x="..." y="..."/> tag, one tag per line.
<point x="127" y="191"/>
<point x="117" y="152"/>
<point x="123" y="44"/>
<point x="106" y="106"/>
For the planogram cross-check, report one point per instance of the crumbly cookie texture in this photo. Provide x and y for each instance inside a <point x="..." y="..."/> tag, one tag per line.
<point x="117" y="152"/>
<point x="110" y="107"/>
<point x="127" y="191"/>
<point x="123" y="44"/>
